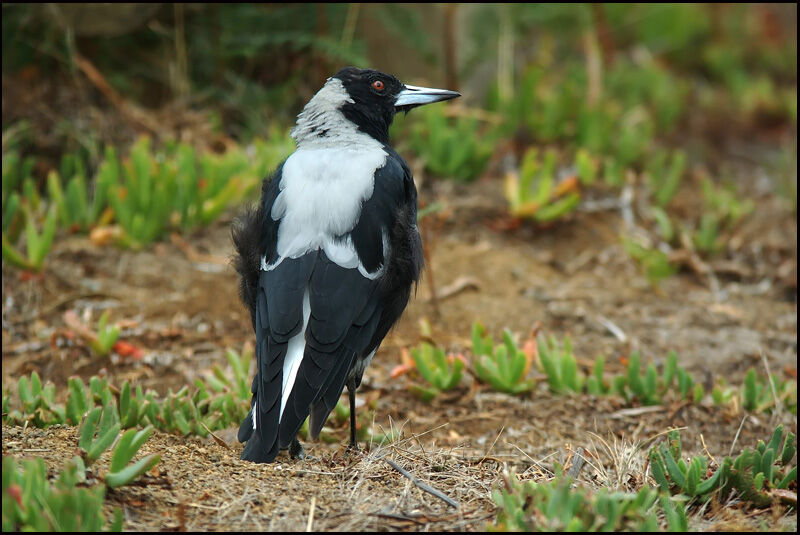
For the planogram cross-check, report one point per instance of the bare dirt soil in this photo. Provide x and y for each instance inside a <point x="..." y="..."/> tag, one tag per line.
<point x="178" y="302"/>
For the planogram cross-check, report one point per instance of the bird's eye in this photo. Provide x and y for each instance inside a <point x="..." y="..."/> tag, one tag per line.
<point x="378" y="85"/>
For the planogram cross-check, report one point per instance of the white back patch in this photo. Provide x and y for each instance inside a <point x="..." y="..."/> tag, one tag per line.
<point x="322" y="191"/>
<point x="325" y="182"/>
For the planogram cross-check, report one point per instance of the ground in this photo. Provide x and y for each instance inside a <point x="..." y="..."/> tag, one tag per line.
<point x="178" y="301"/>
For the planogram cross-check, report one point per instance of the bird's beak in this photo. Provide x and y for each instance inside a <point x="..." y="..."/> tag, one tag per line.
<point x="412" y="96"/>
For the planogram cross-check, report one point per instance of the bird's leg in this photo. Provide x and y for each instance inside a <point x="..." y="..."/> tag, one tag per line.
<point x="296" y="450"/>
<point x="351" y="391"/>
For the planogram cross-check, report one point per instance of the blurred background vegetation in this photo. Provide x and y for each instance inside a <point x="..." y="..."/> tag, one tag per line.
<point x="668" y="132"/>
<point x="135" y="119"/>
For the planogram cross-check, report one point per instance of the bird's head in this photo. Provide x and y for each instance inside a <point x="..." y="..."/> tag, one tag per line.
<point x="365" y="98"/>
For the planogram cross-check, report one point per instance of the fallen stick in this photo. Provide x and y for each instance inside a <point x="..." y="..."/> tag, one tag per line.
<point x="131" y="112"/>
<point x="218" y="440"/>
<point x="578" y="460"/>
<point x="427" y="488"/>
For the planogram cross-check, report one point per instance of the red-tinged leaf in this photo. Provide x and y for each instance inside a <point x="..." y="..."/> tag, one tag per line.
<point x="15" y="491"/>
<point x="569" y="185"/>
<point x="75" y="324"/>
<point x="400" y="369"/>
<point x="504" y="224"/>
<point x="124" y="349"/>
<point x="26" y="276"/>
<point x="102" y="235"/>
<point x="405" y="357"/>
<point x="459" y="356"/>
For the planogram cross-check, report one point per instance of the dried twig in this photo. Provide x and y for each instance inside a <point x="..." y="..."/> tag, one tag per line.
<point x="459" y="285"/>
<point x="215" y="437"/>
<point x="126" y="108"/>
<point x="738" y="431"/>
<point x="705" y="448"/>
<point x="311" y="514"/>
<point x="578" y="461"/>
<point x="427" y="488"/>
<point x="612" y="327"/>
<point x="636" y="411"/>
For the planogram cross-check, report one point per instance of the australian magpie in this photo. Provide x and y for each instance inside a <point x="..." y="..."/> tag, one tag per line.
<point x="328" y="258"/>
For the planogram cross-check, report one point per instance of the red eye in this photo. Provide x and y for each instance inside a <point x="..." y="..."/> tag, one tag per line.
<point x="377" y="85"/>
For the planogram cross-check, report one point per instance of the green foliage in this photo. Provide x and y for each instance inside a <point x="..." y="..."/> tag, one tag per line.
<point x="121" y="472"/>
<point x="455" y="147"/>
<point x="504" y="367"/>
<point x="16" y="171"/>
<point x="32" y="503"/>
<point x="534" y="193"/>
<point x="759" y="393"/>
<point x="440" y="371"/>
<point x="751" y="474"/>
<point x="638" y="102"/>
<point x="560" y="366"/>
<point x="99" y="430"/>
<point x="105" y="337"/>
<point x="586" y="167"/>
<point x="37" y="243"/>
<point x="150" y="193"/>
<point x="650" y="388"/>
<point x="153" y="192"/>
<point x="672" y="472"/>
<point x="219" y="402"/>
<point x="722" y="394"/>
<point x="723" y="210"/>
<point x="238" y="383"/>
<point x="75" y="210"/>
<point x="644" y="386"/>
<point x="654" y="262"/>
<point x="664" y="178"/>
<point x="558" y="506"/>
<point x="37" y="403"/>
<point x="666" y="229"/>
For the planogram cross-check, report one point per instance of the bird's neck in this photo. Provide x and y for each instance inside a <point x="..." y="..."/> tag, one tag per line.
<point x="328" y="120"/>
<point x="327" y="129"/>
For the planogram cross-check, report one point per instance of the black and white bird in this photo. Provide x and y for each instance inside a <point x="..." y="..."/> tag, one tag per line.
<point x="328" y="258"/>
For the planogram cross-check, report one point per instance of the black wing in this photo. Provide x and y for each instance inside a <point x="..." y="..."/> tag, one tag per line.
<point x="391" y="211"/>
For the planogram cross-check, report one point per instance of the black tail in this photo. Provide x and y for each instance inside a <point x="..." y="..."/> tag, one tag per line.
<point x="246" y="234"/>
<point x="255" y="452"/>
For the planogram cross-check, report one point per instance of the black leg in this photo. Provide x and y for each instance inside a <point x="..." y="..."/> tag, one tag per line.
<point x="351" y="391"/>
<point x="296" y="450"/>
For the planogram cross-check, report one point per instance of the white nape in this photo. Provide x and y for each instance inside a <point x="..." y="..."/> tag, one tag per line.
<point x="322" y="124"/>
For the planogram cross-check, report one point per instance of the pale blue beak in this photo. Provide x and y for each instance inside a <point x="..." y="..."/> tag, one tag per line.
<point x="412" y="96"/>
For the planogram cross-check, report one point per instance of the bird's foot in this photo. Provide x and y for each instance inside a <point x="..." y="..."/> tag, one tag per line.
<point x="353" y="449"/>
<point x="296" y="451"/>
